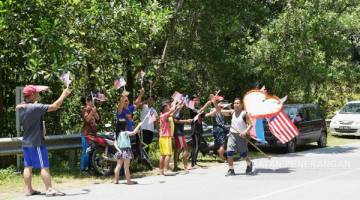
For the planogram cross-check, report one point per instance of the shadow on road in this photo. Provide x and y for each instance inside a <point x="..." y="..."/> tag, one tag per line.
<point x="335" y="150"/>
<point x="284" y="170"/>
<point x="276" y="151"/>
<point x="83" y="192"/>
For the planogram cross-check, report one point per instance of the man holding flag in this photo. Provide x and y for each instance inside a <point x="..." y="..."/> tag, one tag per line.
<point x="148" y="117"/>
<point x="196" y="128"/>
<point x="240" y="127"/>
<point x="35" y="151"/>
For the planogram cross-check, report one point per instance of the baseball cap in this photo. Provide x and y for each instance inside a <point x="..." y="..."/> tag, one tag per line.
<point x="31" y="89"/>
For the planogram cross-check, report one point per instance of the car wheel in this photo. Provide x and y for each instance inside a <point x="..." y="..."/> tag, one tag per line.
<point x="322" y="140"/>
<point x="291" y="146"/>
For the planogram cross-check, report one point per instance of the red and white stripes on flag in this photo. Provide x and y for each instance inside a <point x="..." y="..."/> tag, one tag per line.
<point x="282" y="127"/>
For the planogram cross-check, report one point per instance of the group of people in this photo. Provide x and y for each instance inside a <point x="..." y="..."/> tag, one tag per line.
<point x="171" y="121"/>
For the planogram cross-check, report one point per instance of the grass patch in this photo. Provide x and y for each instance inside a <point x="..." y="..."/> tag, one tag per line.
<point x="341" y="140"/>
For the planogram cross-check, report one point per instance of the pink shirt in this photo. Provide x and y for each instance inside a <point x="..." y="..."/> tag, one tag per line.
<point x="166" y="125"/>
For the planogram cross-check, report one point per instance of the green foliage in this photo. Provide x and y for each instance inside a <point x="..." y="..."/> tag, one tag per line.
<point x="97" y="41"/>
<point x="309" y="50"/>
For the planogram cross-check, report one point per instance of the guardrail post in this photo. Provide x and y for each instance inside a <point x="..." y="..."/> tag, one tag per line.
<point x="72" y="158"/>
<point x="18" y="99"/>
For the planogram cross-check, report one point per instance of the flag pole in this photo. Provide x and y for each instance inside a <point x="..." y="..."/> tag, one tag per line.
<point x="151" y="83"/>
<point x="252" y="144"/>
<point x="92" y="98"/>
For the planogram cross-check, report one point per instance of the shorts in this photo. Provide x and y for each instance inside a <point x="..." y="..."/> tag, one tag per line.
<point x="125" y="153"/>
<point x="219" y="136"/>
<point x="165" y="144"/>
<point x="242" y="155"/>
<point x="237" y="144"/>
<point x="180" y="142"/>
<point x="36" y="157"/>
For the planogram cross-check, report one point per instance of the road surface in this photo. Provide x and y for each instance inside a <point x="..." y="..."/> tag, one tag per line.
<point x="329" y="173"/>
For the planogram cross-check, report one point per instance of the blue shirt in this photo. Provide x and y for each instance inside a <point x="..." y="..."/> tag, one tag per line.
<point x="124" y="115"/>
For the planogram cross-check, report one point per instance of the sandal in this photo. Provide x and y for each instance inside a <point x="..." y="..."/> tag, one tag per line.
<point x="54" y="193"/>
<point x="34" y="192"/>
<point x="169" y="174"/>
<point x="131" y="183"/>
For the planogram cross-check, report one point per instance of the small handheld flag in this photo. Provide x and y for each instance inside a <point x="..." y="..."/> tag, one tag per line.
<point x="177" y="96"/>
<point x="100" y="97"/>
<point x="151" y="116"/>
<point x="118" y="83"/>
<point x="66" y="79"/>
<point x="142" y="75"/>
<point x="191" y="105"/>
<point x="41" y="88"/>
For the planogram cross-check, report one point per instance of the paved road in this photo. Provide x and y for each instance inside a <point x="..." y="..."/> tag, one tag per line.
<point x="330" y="173"/>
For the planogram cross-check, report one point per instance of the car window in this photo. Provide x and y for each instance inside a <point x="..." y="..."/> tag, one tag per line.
<point x="303" y="114"/>
<point x="351" y="108"/>
<point x="313" y="113"/>
<point x="291" y="112"/>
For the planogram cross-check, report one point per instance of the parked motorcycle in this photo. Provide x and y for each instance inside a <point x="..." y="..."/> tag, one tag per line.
<point x="102" y="153"/>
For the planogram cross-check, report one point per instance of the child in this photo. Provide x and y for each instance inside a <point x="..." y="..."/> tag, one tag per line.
<point x="180" y="141"/>
<point x="165" y="143"/>
<point x="124" y="154"/>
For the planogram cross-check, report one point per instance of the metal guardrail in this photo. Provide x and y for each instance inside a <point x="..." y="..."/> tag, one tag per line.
<point x="13" y="146"/>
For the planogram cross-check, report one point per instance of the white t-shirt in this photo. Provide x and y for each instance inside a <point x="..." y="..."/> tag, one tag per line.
<point x="238" y="122"/>
<point x="146" y="124"/>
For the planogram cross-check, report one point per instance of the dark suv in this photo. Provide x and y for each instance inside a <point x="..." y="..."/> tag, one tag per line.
<point x="310" y="122"/>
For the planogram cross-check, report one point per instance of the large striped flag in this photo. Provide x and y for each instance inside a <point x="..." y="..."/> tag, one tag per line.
<point x="282" y="127"/>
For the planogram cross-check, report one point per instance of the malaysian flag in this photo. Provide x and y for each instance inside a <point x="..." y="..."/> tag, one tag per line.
<point x="151" y="115"/>
<point x="282" y="127"/>
<point x="118" y="83"/>
<point x="141" y="77"/>
<point x="191" y="104"/>
<point x="66" y="79"/>
<point x="100" y="97"/>
<point x="177" y="96"/>
<point x="41" y="88"/>
<point x="218" y="98"/>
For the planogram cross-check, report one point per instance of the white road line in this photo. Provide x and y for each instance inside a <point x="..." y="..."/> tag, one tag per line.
<point x="303" y="184"/>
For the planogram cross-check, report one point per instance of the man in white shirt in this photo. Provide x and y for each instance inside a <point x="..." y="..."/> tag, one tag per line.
<point x="147" y="127"/>
<point x="237" y="142"/>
